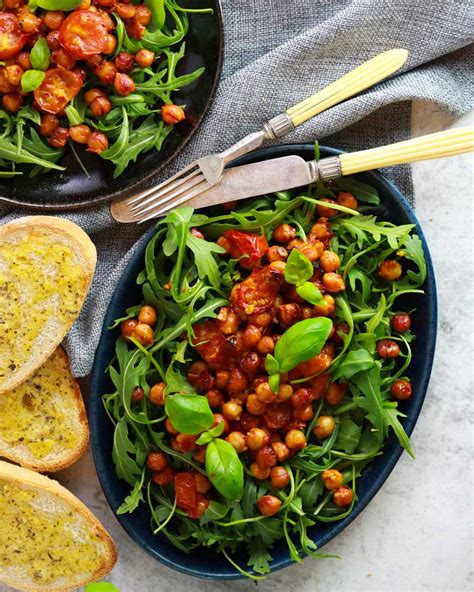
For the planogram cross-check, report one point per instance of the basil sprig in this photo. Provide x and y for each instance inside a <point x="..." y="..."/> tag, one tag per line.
<point x="224" y="469"/>
<point x="40" y="55"/>
<point x="298" y="271"/>
<point x="298" y="344"/>
<point x="31" y="79"/>
<point x="189" y="414"/>
<point x="58" y="4"/>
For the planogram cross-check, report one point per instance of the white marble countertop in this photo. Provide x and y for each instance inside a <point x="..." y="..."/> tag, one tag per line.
<point x="416" y="534"/>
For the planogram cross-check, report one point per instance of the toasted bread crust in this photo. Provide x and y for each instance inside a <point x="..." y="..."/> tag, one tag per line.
<point x="58" y="227"/>
<point x="23" y="476"/>
<point x="52" y="466"/>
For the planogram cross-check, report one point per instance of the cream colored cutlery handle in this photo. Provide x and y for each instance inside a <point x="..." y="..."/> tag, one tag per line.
<point x="448" y="143"/>
<point x="349" y="85"/>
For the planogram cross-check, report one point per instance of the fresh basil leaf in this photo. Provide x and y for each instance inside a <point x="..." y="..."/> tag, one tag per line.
<point x="217" y="430"/>
<point x="309" y="292"/>
<point x="224" y="469"/>
<point x="301" y="342"/>
<point x="298" y="268"/>
<point x="101" y="587"/>
<point x="40" y="54"/>
<point x="204" y="439"/>
<point x="271" y="365"/>
<point x="353" y="362"/>
<point x="189" y="414"/>
<point x="58" y="4"/>
<point x="274" y="382"/>
<point x="363" y="192"/>
<point x="31" y="79"/>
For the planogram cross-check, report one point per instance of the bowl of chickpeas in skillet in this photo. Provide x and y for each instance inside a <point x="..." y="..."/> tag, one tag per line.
<point x="98" y="95"/>
<point x="261" y="369"/>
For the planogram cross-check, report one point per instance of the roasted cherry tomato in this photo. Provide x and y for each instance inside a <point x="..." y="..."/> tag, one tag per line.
<point x="277" y="415"/>
<point x="214" y="348"/>
<point x="247" y="247"/>
<point x="12" y="39"/>
<point x="57" y="89"/>
<point x="257" y="293"/>
<point x="186" y="494"/>
<point x="84" y="34"/>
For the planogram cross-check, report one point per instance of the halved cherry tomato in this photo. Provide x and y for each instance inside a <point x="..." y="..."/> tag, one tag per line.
<point x="258" y="291"/>
<point x="212" y="345"/>
<point x="247" y="246"/>
<point x="12" y="39"/>
<point x="84" y="34"/>
<point x="57" y="89"/>
<point x="186" y="494"/>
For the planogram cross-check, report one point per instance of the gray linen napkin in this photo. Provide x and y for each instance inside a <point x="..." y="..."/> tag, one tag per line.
<point x="277" y="53"/>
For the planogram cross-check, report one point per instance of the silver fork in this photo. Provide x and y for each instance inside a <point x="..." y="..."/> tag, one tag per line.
<point x="202" y="174"/>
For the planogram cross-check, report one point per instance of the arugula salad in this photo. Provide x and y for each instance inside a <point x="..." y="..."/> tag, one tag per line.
<point x="98" y="73"/>
<point x="265" y="367"/>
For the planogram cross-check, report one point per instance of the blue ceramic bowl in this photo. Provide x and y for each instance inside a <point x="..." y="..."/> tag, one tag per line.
<point x="203" y="563"/>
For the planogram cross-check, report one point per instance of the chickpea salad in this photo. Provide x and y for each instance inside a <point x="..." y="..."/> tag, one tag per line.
<point x="266" y="366"/>
<point x="99" y="73"/>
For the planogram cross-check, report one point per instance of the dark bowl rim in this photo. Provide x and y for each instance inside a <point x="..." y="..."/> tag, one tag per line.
<point x="155" y="171"/>
<point x="378" y="480"/>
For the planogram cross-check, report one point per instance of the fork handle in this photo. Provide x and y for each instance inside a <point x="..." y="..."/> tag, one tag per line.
<point x="438" y="145"/>
<point x="349" y="85"/>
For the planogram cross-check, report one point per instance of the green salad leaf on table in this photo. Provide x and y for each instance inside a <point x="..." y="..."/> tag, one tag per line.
<point x="246" y="406"/>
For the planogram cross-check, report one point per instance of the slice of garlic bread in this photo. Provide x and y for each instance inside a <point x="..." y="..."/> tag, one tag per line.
<point x="49" y="540"/>
<point x="46" y="266"/>
<point x="43" y="423"/>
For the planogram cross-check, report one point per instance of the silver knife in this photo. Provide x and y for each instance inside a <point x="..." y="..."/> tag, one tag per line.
<point x="288" y="172"/>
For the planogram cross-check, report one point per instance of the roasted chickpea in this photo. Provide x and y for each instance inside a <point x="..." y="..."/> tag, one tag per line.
<point x="321" y="230"/>
<point x="336" y="392"/>
<point x="143" y="334"/>
<point x="387" y="349"/>
<point x="303" y="413"/>
<point x="319" y="385"/>
<point x="254" y="406"/>
<point x="264" y="393"/>
<point x="269" y="505"/>
<point x="126" y="327"/>
<point x="326" y="309"/>
<point x="237" y="440"/>
<point x="390" y="270"/>
<point x="172" y="114"/>
<point x="164" y="477"/>
<point x="266" y="457"/>
<point x="106" y="72"/>
<point x="13" y="102"/>
<point x="137" y="395"/>
<point x="295" y="440"/>
<point x="92" y="94"/>
<point x="201" y="506"/>
<point x="289" y="314"/>
<point x="143" y="14"/>
<point x="147" y="315"/>
<point x="301" y="398"/>
<point x="200" y="377"/>
<point x="156" y="461"/>
<point x="340" y="329"/>
<point x="333" y="282"/>
<point x="105" y="3"/>
<point x="222" y="378"/>
<point x="52" y="39"/>
<point x="59" y="137"/>
<point x="327" y="211"/>
<point x="332" y="479"/>
<point x="170" y="428"/>
<point x="14" y="74"/>
<point x="252" y="336"/>
<point x="97" y="143"/>
<point x="186" y="442"/>
<point x="284" y="233"/>
<point x="282" y="451"/>
<point x="343" y="496"/>
<point x="100" y="107"/>
<point x="125" y="11"/>
<point x="124" y="61"/>
<point x="266" y="345"/>
<point x="347" y="200"/>
<point x="111" y="44"/>
<point x="329" y="261"/>
<point x="215" y="398"/>
<point x="200" y="455"/>
<point x="401" y="322"/>
<point x="277" y="253"/>
<point x="232" y="410"/>
<point x="279" y="477"/>
<point x="219" y="418"/>
<point x="80" y="133"/>
<point x="203" y="485"/>
<point x="123" y="84"/>
<point x="23" y="60"/>
<point x="228" y="321"/>
<point x="135" y="29"/>
<point x="401" y="390"/>
<point x="53" y="19"/>
<point x="312" y="251"/>
<point x="278" y="265"/>
<point x="144" y="58"/>
<point x="324" y="427"/>
<point x="29" y="23"/>
<point x="262" y="319"/>
<point x="157" y="394"/>
<point x="256" y="438"/>
<point x="237" y="382"/>
<point x="285" y="391"/>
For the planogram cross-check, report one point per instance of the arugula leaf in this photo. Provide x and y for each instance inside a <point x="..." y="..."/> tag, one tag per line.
<point x="412" y="248"/>
<point x="363" y="192"/>
<point x="354" y="361"/>
<point x="361" y="227"/>
<point x="215" y="511"/>
<point x="259" y="557"/>
<point x="126" y="467"/>
<point x="205" y="261"/>
<point x="349" y="435"/>
<point x="130" y="503"/>
<point x="369" y="384"/>
<point x="391" y="415"/>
